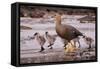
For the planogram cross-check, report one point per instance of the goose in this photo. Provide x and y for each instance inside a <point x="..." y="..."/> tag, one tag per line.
<point x="66" y="32"/>
<point x="51" y="39"/>
<point x="40" y="39"/>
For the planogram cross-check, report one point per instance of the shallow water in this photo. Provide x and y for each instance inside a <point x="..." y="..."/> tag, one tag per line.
<point x="30" y="47"/>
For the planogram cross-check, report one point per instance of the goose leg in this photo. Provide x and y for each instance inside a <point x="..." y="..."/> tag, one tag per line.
<point x="65" y="43"/>
<point x="79" y="44"/>
<point x="65" y="46"/>
<point x="73" y="43"/>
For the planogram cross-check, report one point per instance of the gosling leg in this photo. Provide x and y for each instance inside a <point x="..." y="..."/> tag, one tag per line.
<point x="89" y="46"/>
<point x="50" y="46"/>
<point x="42" y="49"/>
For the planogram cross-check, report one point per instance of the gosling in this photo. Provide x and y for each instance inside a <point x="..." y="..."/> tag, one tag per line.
<point x="41" y="40"/>
<point x="88" y="41"/>
<point x="51" y="39"/>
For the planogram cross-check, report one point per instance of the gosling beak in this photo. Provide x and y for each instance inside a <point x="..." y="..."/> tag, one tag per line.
<point x="30" y="38"/>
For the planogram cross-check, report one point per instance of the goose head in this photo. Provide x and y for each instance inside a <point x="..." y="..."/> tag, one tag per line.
<point x="57" y="18"/>
<point x="56" y="15"/>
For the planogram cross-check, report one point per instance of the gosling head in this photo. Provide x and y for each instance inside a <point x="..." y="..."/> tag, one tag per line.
<point x="46" y="33"/>
<point x="88" y="40"/>
<point x="33" y="37"/>
<point x="36" y="34"/>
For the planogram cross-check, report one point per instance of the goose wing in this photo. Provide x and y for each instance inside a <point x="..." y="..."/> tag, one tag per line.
<point x="72" y="30"/>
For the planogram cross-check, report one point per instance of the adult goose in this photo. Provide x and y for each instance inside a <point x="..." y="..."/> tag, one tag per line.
<point x="66" y="32"/>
